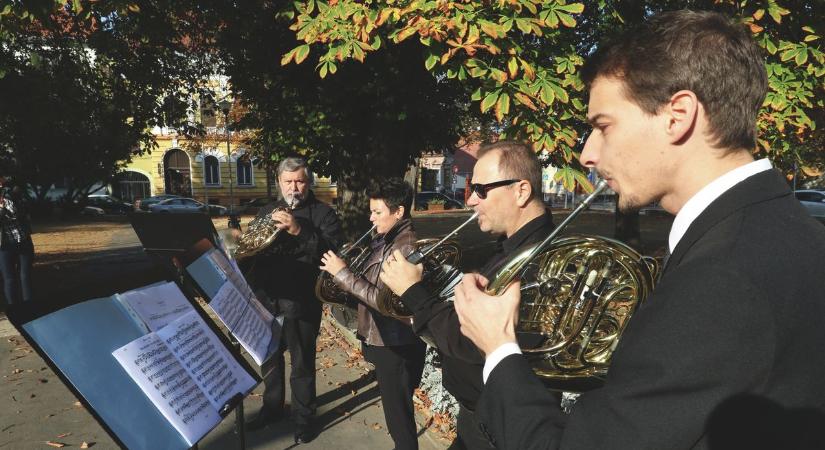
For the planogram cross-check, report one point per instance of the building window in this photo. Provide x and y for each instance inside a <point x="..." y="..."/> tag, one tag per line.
<point x="211" y="171"/>
<point x="244" y="170"/>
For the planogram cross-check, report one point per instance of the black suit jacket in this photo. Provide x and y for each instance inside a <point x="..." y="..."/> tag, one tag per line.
<point x="738" y="310"/>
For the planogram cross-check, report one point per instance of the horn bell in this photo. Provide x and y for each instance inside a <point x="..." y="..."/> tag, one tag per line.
<point x="577" y="297"/>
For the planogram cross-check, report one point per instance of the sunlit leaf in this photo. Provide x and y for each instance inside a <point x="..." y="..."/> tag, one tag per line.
<point x="489" y="101"/>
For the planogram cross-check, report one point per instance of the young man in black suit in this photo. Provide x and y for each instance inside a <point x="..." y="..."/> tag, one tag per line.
<point x="725" y="341"/>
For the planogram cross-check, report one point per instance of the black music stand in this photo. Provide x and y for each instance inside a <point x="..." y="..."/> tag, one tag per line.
<point x="77" y="341"/>
<point x="169" y="240"/>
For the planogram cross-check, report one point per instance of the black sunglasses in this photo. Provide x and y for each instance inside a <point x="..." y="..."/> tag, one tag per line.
<point x="483" y="189"/>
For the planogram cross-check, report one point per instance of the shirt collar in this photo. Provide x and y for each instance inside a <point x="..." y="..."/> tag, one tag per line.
<point x="702" y="199"/>
<point x="518" y="238"/>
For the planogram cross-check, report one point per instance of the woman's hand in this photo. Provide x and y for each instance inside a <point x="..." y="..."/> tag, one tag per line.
<point x="331" y="263"/>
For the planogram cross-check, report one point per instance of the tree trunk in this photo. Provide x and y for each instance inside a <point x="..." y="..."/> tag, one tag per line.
<point x="353" y="205"/>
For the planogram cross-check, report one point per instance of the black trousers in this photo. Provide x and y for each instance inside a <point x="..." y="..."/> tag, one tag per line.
<point x="299" y="336"/>
<point x="398" y="370"/>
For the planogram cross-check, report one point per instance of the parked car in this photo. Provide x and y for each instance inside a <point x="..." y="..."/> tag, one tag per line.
<point x="92" y="211"/>
<point x="422" y="200"/>
<point x="813" y="201"/>
<point x="184" y="205"/>
<point x="254" y="205"/>
<point x="143" y="204"/>
<point x="109" y="204"/>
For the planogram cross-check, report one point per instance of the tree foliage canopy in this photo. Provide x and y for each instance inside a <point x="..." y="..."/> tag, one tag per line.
<point x="521" y="59"/>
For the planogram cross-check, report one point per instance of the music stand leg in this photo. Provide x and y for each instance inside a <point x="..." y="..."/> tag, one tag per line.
<point x="239" y="419"/>
<point x="239" y="423"/>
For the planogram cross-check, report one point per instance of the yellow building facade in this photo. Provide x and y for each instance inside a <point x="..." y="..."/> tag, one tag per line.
<point x="207" y="172"/>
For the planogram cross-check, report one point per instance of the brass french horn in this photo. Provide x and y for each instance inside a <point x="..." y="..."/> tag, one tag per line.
<point x="441" y="275"/>
<point x="354" y="255"/>
<point x="578" y="294"/>
<point x="261" y="232"/>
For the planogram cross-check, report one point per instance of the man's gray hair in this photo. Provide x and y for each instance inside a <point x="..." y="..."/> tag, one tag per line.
<point x="291" y="164"/>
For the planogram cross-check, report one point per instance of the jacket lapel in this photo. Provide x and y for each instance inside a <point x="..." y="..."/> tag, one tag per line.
<point x="758" y="188"/>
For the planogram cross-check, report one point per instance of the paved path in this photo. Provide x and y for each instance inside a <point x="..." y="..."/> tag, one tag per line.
<point x="38" y="408"/>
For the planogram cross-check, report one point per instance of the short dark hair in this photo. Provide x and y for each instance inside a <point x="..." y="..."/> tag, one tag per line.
<point x="519" y="161"/>
<point x="394" y="191"/>
<point x="701" y="51"/>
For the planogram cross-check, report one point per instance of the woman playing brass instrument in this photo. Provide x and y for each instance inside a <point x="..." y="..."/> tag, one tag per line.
<point x="391" y="345"/>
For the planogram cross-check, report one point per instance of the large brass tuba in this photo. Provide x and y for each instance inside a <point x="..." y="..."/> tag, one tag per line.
<point x="577" y="295"/>
<point x="354" y="255"/>
<point x="441" y="275"/>
<point x="261" y="232"/>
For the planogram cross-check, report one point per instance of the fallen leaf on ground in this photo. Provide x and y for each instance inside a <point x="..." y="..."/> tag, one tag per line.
<point x="55" y="444"/>
<point x="78" y="404"/>
<point x="85" y="444"/>
<point x="16" y="371"/>
<point x="62" y="435"/>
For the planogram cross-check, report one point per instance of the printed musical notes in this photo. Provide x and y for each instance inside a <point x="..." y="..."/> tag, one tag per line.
<point x="156" y="305"/>
<point x="186" y="372"/>
<point x="235" y="304"/>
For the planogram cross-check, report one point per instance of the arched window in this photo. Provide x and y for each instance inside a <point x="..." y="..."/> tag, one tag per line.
<point x="244" y="171"/>
<point x="211" y="171"/>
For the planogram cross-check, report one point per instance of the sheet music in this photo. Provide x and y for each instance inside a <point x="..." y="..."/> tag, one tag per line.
<point x="231" y="272"/>
<point x="151" y="364"/>
<point x="205" y="359"/>
<point x="157" y="305"/>
<point x="235" y="304"/>
<point x="249" y="322"/>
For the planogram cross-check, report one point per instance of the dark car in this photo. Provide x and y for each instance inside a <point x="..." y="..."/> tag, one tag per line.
<point x="109" y="204"/>
<point x="424" y="199"/>
<point x="813" y="201"/>
<point x="254" y="205"/>
<point x="144" y="203"/>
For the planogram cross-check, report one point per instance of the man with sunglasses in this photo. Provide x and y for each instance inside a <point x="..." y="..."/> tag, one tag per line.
<point x="507" y="197"/>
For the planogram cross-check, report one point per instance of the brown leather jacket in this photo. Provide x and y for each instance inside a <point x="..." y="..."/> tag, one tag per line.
<point x="373" y="327"/>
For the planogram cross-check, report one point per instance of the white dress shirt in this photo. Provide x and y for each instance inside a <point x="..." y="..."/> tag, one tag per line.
<point x="689" y="212"/>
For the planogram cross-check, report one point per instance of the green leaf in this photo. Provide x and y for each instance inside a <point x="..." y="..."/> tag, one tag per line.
<point x="430" y="62"/>
<point x="770" y="47"/>
<point x="573" y="8"/>
<point x="811" y="37"/>
<point x="301" y="53"/>
<point x="323" y="72"/>
<point x="512" y="67"/>
<point x="288" y="57"/>
<point x="566" y="20"/>
<point x="787" y="55"/>
<point x="801" y="57"/>
<point x="476" y="95"/>
<point x="560" y="92"/>
<point x="581" y="178"/>
<point x="489" y="101"/>
<point x="376" y="43"/>
<point x="504" y="104"/>
<point x="524" y="26"/>
<point x="547" y="95"/>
